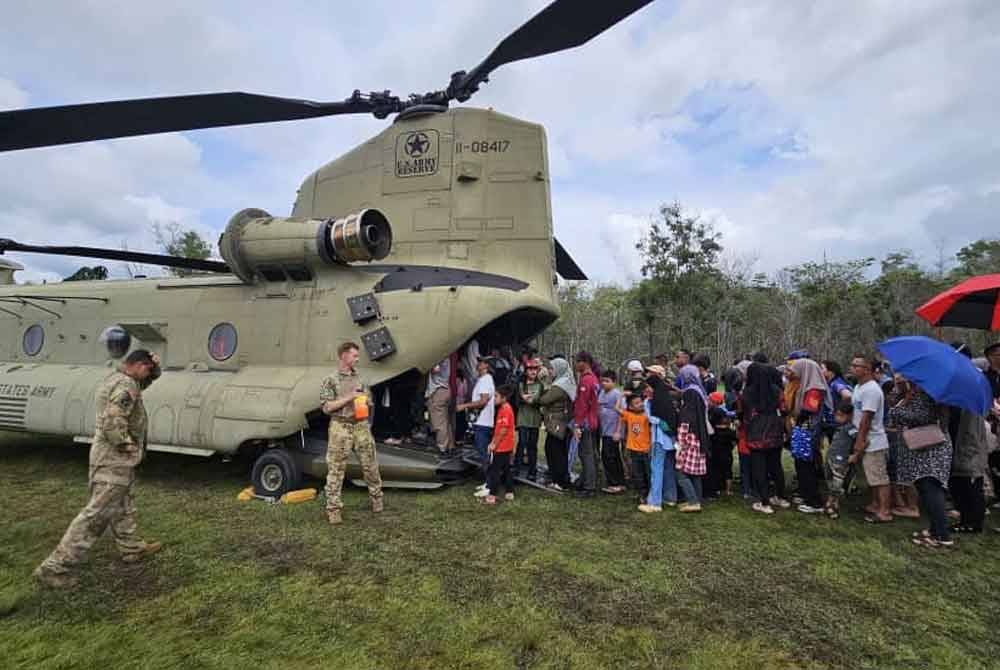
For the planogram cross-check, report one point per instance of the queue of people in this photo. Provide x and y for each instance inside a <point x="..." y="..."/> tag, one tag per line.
<point x="667" y="433"/>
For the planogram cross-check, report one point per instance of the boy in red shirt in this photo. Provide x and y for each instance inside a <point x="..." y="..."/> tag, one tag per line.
<point x="501" y="447"/>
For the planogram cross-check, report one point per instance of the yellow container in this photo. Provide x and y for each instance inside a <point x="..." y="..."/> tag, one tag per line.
<point x="361" y="407"/>
<point x="302" y="495"/>
<point x="246" y="494"/>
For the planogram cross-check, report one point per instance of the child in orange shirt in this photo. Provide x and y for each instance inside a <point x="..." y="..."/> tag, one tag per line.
<point x="638" y="436"/>
<point x="501" y="448"/>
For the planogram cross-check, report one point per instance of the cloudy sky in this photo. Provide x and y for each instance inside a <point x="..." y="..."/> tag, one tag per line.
<point x="799" y="128"/>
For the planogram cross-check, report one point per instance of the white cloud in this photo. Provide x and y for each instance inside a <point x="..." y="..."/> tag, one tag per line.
<point x="11" y="97"/>
<point x="798" y="128"/>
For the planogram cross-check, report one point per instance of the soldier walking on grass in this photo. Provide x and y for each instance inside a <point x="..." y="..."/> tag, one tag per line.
<point x="345" y="399"/>
<point x="119" y="446"/>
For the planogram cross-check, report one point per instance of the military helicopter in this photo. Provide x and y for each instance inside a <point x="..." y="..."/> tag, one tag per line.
<point x="245" y="342"/>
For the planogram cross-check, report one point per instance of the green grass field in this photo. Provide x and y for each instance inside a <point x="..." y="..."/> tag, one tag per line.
<point x="438" y="581"/>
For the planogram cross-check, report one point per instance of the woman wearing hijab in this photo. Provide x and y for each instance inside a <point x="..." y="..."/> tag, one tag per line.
<point x="692" y="437"/>
<point x="811" y="395"/>
<point x="663" y="467"/>
<point x="765" y="434"/>
<point x="556" y="404"/>
<point x="734" y="401"/>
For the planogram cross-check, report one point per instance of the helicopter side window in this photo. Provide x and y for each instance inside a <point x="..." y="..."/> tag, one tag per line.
<point x="34" y="338"/>
<point x="117" y="340"/>
<point x="222" y="341"/>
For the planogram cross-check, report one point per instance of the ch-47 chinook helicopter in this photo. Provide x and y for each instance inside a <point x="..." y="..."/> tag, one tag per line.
<point x="436" y="231"/>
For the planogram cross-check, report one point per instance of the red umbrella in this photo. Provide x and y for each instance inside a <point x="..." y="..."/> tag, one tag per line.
<point x="972" y="304"/>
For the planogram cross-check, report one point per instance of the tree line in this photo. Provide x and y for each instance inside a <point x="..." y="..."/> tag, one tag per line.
<point x="693" y="295"/>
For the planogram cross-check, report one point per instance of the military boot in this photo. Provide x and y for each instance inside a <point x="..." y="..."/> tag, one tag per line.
<point x="54" y="580"/>
<point x="377" y="505"/>
<point x="148" y="549"/>
<point x="334" y="517"/>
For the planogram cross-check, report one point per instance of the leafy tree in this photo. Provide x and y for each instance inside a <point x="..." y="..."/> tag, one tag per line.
<point x="678" y="245"/>
<point x="979" y="258"/>
<point x="175" y="241"/>
<point x="693" y="295"/>
<point x="96" y="273"/>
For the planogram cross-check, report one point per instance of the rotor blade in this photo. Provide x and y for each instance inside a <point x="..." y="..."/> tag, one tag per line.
<point x="564" y="24"/>
<point x="118" y="255"/>
<point x="566" y="266"/>
<point x="47" y="126"/>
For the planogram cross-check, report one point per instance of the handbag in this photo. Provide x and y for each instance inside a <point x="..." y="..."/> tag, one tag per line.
<point x="802" y="448"/>
<point x="923" y="437"/>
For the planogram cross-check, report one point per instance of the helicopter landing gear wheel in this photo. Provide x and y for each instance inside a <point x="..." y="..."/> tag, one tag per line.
<point x="275" y="473"/>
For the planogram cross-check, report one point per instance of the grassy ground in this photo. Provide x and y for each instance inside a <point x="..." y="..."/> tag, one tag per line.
<point x="440" y="582"/>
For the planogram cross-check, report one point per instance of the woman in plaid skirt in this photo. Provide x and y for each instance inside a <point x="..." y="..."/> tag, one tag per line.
<point x="692" y="437"/>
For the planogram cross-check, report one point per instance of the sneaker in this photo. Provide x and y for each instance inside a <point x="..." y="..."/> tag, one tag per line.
<point x="482" y="493"/>
<point x="762" y="508"/>
<point x="609" y="489"/>
<point x="780" y="502"/>
<point x="54" y="580"/>
<point x="489" y="500"/>
<point x="556" y="487"/>
<point x="508" y="496"/>
<point x="808" y="509"/>
<point x="481" y="487"/>
<point x="147" y="550"/>
<point x="798" y="500"/>
<point x="670" y="503"/>
<point x="650" y="509"/>
<point x="690" y="507"/>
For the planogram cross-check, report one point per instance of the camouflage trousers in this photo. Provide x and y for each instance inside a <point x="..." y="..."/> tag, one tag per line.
<point x="111" y="506"/>
<point x="344" y="437"/>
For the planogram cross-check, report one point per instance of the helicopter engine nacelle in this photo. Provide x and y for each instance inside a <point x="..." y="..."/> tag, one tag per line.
<point x="258" y="244"/>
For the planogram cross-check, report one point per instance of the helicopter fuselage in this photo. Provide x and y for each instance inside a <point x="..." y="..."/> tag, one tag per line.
<point x="467" y="195"/>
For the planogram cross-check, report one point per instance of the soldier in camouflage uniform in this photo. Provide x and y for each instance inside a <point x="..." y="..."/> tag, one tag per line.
<point x="337" y="396"/>
<point x="118" y="447"/>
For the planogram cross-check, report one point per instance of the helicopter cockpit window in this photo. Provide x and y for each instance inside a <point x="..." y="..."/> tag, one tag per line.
<point x="34" y="338"/>
<point x="222" y="342"/>
<point x="298" y="273"/>
<point x="117" y="340"/>
<point x="272" y="273"/>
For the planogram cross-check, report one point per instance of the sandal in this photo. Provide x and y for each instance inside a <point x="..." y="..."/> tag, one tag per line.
<point x="931" y="543"/>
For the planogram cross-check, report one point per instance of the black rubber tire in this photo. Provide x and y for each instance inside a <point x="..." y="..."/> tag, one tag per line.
<point x="275" y="473"/>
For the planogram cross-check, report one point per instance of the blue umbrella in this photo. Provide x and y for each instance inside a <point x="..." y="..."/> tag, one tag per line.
<point x="946" y="375"/>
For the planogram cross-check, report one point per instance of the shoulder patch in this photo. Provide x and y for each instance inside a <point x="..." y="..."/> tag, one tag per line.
<point x="124" y="398"/>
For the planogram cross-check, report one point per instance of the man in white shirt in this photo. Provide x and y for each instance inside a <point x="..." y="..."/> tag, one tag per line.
<point x="482" y="428"/>
<point x="871" y="446"/>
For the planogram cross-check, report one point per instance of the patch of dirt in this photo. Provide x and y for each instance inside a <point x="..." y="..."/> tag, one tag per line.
<point x="138" y="581"/>
<point x="584" y="602"/>
<point x="282" y="556"/>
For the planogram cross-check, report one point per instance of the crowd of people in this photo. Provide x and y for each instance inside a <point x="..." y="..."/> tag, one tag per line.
<point x="667" y="432"/>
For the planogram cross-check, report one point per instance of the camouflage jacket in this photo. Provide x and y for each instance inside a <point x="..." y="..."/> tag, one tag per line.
<point x="338" y="385"/>
<point x="120" y="432"/>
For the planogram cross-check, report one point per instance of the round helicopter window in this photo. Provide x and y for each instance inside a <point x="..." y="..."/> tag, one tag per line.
<point x="222" y="341"/>
<point x="117" y="340"/>
<point x="34" y="338"/>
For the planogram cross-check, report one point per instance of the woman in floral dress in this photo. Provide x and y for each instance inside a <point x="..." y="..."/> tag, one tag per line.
<point x="928" y="468"/>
